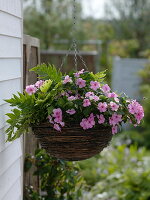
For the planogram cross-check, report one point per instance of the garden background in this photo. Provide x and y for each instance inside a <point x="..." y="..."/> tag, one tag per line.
<point x="122" y="172"/>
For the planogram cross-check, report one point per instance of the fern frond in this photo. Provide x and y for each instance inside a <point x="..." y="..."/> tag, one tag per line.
<point x="100" y="76"/>
<point x="46" y="72"/>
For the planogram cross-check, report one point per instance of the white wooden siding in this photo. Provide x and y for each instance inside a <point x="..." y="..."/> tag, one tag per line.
<point x="11" y="26"/>
<point x="11" y="157"/>
<point x="10" y="69"/>
<point x="13" y="7"/>
<point x="12" y="50"/>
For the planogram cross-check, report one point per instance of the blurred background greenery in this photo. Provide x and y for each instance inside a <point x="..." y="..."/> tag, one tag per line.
<point x="122" y="172"/>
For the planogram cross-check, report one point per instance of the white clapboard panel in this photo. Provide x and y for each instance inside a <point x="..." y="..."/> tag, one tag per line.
<point x="9" y="155"/>
<point x="5" y="108"/>
<point x="8" y="179"/>
<point x="10" y="47"/>
<point x="7" y="88"/>
<point x="13" y="7"/>
<point x="3" y="139"/>
<point x="10" y="69"/>
<point x="15" y="192"/>
<point x="10" y="25"/>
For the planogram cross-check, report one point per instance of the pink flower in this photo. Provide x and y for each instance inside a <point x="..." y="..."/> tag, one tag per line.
<point x="89" y="94"/>
<point x="86" y="103"/>
<point x="67" y="79"/>
<point x="71" y="98"/>
<point x="80" y="82"/>
<point x="137" y="110"/>
<point x="101" y="119"/>
<point x="105" y="88"/>
<point x="91" y="121"/>
<point x="139" y="116"/>
<point x="39" y="83"/>
<point x="57" y="112"/>
<point x="116" y="99"/>
<point x="112" y="95"/>
<point x="62" y="124"/>
<point x="30" y="89"/>
<point x="102" y="107"/>
<point x="71" y="111"/>
<point x="58" y="119"/>
<point x="115" y="119"/>
<point x="113" y="106"/>
<point x="84" y="124"/>
<point x="57" y="127"/>
<point x="77" y="74"/>
<point x="65" y="94"/>
<point x="95" y="98"/>
<point x="114" y="130"/>
<point x="50" y="119"/>
<point x="94" y="85"/>
<point x="88" y="123"/>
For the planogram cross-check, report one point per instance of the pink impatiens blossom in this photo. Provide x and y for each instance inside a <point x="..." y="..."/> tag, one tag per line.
<point x="62" y="124"/>
<point x="71" y="98"/>
<point x="116" y="99"/>
<point x="77" y="74"/>
<point x="86" y="103"/>
<point x="71" y="111"/>
<point x="137" y="110"/>
<point x="30" y="89"/>
<point x="113" y="106"/>
<point x="89" y="94"/>
<point x="94" y="85"/>
<point x="115" y="119"/>
<point x="101" y="119"/>
<point x="105" y="88"/>
<point x="112" y="95"/>
<point x="57" y="127"/>
<point x="39" y="83"/>
<point x="102" y="107"/>
<point x="67" y="79"/>
<point x="88" y="123"/>
<point x="114" y="130"/>
<point x="91" y="121"/>
<point x="80" y="82"/>
<point x="94" y="97"/>
<point x="57" y="114"/>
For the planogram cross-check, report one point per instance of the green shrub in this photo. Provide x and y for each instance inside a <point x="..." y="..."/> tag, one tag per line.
<point x="59" y="180"/>
<point x="124" y="174"/>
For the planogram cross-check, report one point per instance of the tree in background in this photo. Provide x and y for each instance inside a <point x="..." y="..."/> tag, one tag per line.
<point x="130" y="20"/>
<point x="51" y="20"/>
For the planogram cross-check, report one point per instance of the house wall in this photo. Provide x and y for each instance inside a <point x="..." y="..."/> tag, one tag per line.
<point x="11" y="156"/>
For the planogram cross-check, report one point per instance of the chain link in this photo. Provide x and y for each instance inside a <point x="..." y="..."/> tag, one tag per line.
<point x="74" y="45"/>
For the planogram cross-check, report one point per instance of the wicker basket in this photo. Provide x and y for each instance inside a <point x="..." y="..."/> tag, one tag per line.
<point x="73" y="143"/>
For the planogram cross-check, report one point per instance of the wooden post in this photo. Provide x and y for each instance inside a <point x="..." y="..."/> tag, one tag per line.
<point x="31" y="57"/>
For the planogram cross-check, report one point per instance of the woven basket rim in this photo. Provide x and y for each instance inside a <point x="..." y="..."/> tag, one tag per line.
<point x="69" y="126"/>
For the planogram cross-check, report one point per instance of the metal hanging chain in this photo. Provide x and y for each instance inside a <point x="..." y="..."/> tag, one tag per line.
<point x="74" y="45"/>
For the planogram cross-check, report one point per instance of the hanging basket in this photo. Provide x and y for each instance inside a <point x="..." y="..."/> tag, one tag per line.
<point x="73" y="143"/>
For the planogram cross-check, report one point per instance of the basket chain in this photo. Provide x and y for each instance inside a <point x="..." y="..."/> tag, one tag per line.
<point x="74" y="45"/>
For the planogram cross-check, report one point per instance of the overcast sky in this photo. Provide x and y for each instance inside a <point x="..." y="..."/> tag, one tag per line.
<point x="94" y="8"/>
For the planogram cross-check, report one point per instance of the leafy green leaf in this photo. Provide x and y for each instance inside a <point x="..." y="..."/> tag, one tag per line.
<point x="46" y="72"/>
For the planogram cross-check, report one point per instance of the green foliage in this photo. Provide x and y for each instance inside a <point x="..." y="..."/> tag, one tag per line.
<point x="127" y="15"/>
<point x="59" y="180"/>
<point x="51" y="20"/>
<point x="124" y="48"/>
<point x="124" y="174"/>
<point x="100" y="76"/>
<point x="46" y="72"/>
